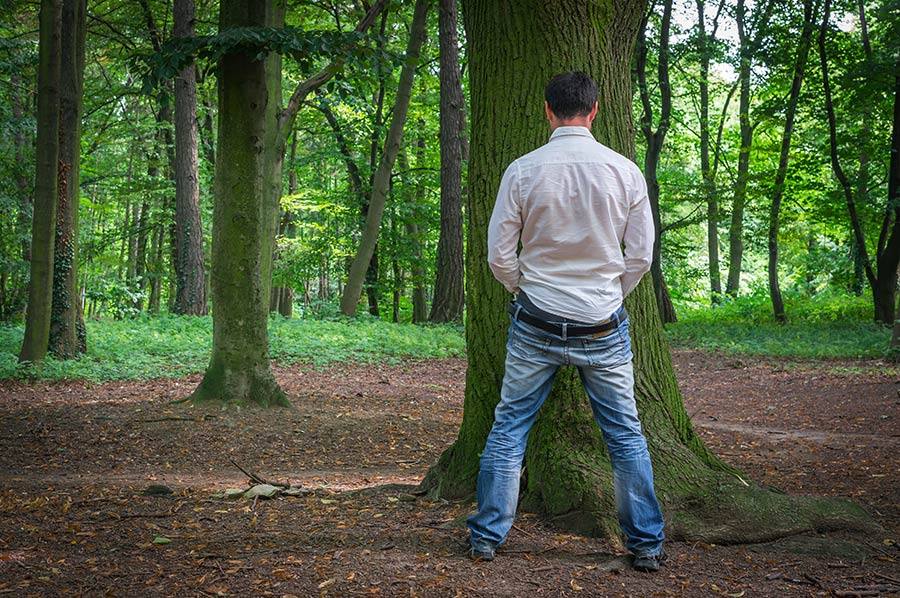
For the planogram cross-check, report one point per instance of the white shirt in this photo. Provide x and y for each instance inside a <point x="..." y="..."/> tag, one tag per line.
<point x="574" y="203"/>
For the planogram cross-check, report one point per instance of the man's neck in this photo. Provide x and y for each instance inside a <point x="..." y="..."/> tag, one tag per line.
<point x="578" y="121"/>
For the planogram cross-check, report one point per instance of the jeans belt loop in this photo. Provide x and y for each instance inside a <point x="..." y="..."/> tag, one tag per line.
<point x="565" y="325"/>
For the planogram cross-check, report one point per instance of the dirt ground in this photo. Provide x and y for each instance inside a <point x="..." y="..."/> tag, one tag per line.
<point x="79" y="515"/>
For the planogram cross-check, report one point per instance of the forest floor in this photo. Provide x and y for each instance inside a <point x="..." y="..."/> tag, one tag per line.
<point x="77" y="459"/>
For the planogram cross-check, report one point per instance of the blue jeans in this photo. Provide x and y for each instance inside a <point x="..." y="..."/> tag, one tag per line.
<point x="533" y="357"/>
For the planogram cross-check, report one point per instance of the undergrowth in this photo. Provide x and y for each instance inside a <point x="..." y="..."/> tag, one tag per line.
<point x="822" y="327"/>
<point x="171" y="346"/>
<point x="826" y="326"/>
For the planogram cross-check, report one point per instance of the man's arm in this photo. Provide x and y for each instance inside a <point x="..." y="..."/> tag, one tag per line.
<point x="639" y="235"/>
<point x="503" y="232"/>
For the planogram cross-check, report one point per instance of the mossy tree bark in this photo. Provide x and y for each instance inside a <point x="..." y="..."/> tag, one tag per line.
<point x="567" y="470"/>
<point x="239" y="371"/>
<point x="67" y="333"/>
<point x="40" y="290"/>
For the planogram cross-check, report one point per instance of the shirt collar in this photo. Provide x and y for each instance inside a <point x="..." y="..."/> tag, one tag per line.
<point x="567" y="131"/>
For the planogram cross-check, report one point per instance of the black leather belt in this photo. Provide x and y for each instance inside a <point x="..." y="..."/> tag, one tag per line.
<point x="519" y="313"/>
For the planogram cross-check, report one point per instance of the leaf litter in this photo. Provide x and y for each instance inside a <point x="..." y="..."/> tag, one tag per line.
<point x="110" y="490"/>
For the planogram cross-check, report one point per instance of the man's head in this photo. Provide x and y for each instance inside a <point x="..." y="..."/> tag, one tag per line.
<point x="571" y="95"/>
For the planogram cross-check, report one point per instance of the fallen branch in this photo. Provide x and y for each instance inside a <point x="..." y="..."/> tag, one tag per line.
<point x="255" y="478"/>
<point x="887" y="577"/>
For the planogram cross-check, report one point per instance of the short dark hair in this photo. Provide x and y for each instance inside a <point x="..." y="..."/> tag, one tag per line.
<point x="571" y="94"/>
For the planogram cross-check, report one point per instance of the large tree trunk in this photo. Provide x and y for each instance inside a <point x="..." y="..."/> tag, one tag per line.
<point x="381" y="181"/>
<point x="775" y="210"/>
<point x="449" y="289"/>
<point x="40" y="291"/>
<point x="67" y="333"/>
<point x="239" y="370"/>
<point x="655" y="141"/>
<point x="190" y="280"/>
<point x="568" y="472"/>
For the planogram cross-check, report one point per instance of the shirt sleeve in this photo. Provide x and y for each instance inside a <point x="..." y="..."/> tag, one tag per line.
<point x="504" y="230"/>
<point x="639" y="235"/>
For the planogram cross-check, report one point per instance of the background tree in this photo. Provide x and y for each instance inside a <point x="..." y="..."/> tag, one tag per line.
<point x="67" y="332"/>
<point x="40" y="295"/>
<point x="381" y="180"/>
<point x="751" y="34"/>
<point x="655" y="140"/>
<point x="799" y="70"/>
<point x="881" y="269"/>
<point x="449" y="290"/>
<point x="239" y="370"/>
<point x="190" y="279"/>
<point x="566" y="469"/>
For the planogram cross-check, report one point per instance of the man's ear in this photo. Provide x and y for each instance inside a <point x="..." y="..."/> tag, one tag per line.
<point x="547" y="111"/>
<point x="593" y="113"/>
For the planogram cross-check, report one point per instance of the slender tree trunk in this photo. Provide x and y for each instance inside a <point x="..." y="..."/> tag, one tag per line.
<point x="736" y="232"/>
<point x="419" y="300"/>
<point x="283" y="296"/>
<point x="883" y="313"/>
<point x="568" y="476"/>
<point x="366" y="249"/>
<point x="208" y="133"/>
<point x="804" y="44"/>
<point x="890" y="257"/>
<point x="17" y="297"/>
<point x="748" y="47"/>
<point x="449" y="286"/>
<point x="706" y="164"/>
<point x="64" y="321"/>
<point x="157" y="250"/>
<point x="655" y="140"/>
<point x="190" y="289"/>
<point x="239" y="370"/>
<point x="40" y="292"/>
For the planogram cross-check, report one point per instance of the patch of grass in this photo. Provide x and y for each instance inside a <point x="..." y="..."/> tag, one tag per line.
<point x="171" y="346"/>
<point x="827" y="326"/>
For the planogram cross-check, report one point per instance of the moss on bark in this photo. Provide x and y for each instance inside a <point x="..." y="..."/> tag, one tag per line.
<point x="239" y="370"/>
<point x="566" y="469"/>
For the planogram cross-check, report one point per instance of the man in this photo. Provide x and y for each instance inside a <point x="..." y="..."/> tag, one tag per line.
<point x="573" y="204"/>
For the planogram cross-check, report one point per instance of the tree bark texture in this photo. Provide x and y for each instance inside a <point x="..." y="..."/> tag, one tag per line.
<point x="239" y="371"/>
<point x="190" y="278"/>
<point x="40" y="291"/>
<point x="803" y="47"/>
<point x="449" y="286"/>
<point x="568" y="476"/>
<point x="381" y="181"/>
<point x="655" y="140"/>
<point x="67" y="332"/>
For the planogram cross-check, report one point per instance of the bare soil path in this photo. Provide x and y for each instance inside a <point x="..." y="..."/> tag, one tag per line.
<point x="76" y="461"/>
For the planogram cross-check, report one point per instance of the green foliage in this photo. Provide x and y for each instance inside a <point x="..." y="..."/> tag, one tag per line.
<point x="302" y="45"/>
<point x="826" y="326"/>
<point x="172" y="346"/>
